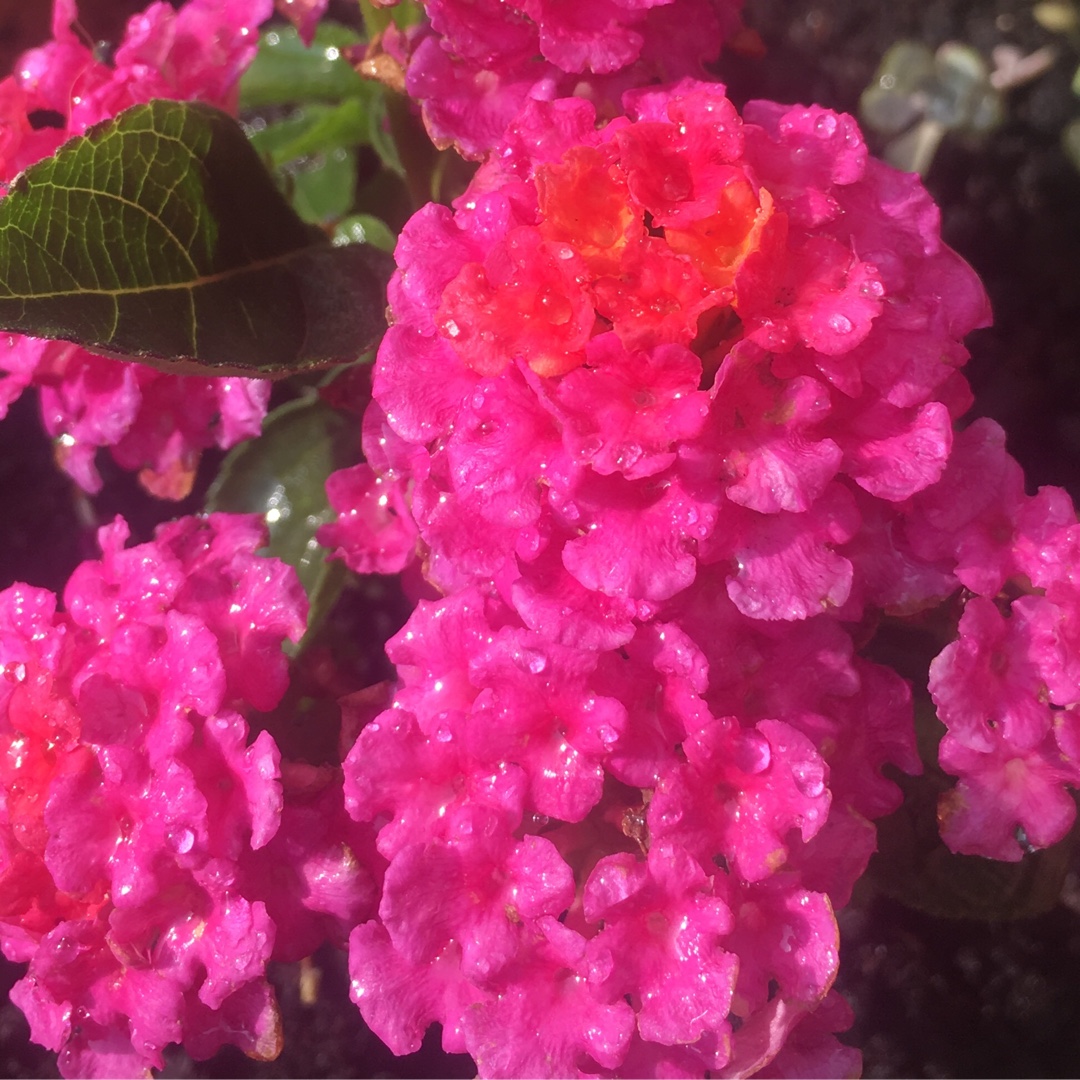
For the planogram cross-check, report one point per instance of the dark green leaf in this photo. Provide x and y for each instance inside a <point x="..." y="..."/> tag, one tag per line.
<point x="282" y="476"/>
<point x="160" y="235"/>
<point x="286" y="71"/>
<point x="385" y="196"/>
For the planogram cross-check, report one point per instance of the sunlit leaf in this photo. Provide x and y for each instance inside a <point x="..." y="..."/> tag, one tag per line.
<point x="365" y="229"/>
<point x="286" y="71"/>
<point x="160" y="235"/>
<point x="316" y="129"/>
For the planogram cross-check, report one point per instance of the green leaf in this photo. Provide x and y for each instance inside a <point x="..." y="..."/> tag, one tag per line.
<point x="365" y="229"/>
<point x="896" y="96"/>
<point x="160" y="235"/>
<point x="323" y="188"/>
<point x="286" y="71"/>
<point x="317" y="129"/>
<point x="282" y="476"/>
<point x="402" y="15"/>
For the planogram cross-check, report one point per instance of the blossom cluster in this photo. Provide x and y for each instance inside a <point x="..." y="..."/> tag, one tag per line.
<point x="667" y="418"/>
<point x="1008" y="689"/>
<point x="473" y="65"/>
<point x="153" y="423"/>
<point x="152" y="857"/>
<point x="657" y="407"/>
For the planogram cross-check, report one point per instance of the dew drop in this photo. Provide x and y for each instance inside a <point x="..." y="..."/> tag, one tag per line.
<point x="14" y="672"/>
<point x="754" y="754"/>
<point x="786" y="938"/>
<point x="63" y="948"/>
<point x="809" y="778"/>
<point x="181" y="841"/>
<point x="840" y="324"/>
<point x="590" y="447"/>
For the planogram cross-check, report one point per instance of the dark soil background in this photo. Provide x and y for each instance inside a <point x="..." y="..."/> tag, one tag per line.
<point x="935" y="994"/>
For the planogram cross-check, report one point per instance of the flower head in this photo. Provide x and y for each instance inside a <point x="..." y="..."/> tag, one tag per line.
<point x="656" y="392"/>
<point x="474" y="65"/>
<point x="131" y="794"/>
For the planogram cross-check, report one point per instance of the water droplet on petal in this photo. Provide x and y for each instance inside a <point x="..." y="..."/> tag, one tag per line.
<point x="181" y="840"/>
<point x="14" y="672"/>
<point x="754" y="753"/>
<point x="786" y="937"/>
<point x="809" y="777"/>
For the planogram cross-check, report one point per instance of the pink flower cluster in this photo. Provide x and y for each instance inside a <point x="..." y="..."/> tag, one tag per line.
<point x="665" y="407"/>
<point x="667" y="414"/>
<point x="475" y="63"/>
<point x="1008" y="688"/>
<point x="147" y="862"/>
<point x="154" y="423"/>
